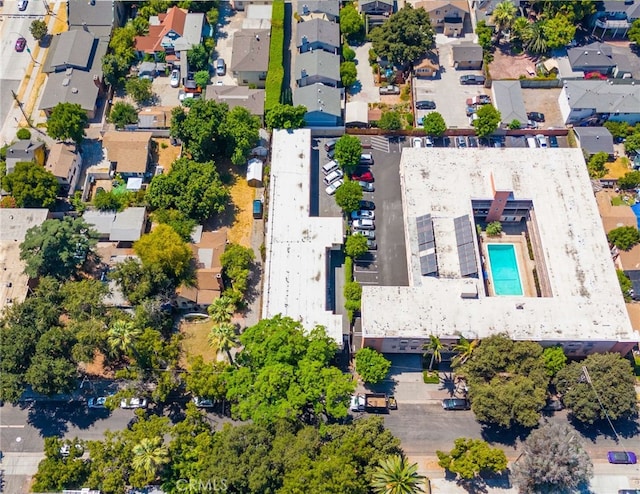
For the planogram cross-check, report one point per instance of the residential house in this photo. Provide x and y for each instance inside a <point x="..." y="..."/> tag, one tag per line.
<point x="449" y="17"/>
<point x="356" y="115"/>
<point x="97" y="18"/>
<point x="251" y="99"/>
<point x="207" y="248"/>
<point x="594" y="140"/>
<point x="507" y="98"/>
<point x="599" y="57"/>
<point x="377" y="11"/>
<point x="66" y="164"/>
<point x="124" y="227"/>
<point x="483" y="9"/>
<point x="323" y="103"/>
<point x="615" y="17"/>
<point x="428" y="66"/>
<point x="466" y="56"/>
<point x="128" y="152"/>
<point x="24" y="150"/>
<point x="155" y="117"/>
<point x="593" y="101"/>
<point x="14" y="283"/>
<point x="319" y="9"/>
<point x="318" y="34"/>
<point x="317" y="67"/>
<point x="250" y="57"/>
<point x="244" y="4"/>
<point x="74" y="71"/>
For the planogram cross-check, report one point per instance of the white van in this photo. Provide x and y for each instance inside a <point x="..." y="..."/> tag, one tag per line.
<point x="363" y="224"/>
<point x="542" y="140"/>
<point x="531" y="142"/>
<point x="329" y="167"/>
<point x="333" y="176"/>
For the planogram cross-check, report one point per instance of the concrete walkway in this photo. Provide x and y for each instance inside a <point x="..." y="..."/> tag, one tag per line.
<point x="368" y="90"/>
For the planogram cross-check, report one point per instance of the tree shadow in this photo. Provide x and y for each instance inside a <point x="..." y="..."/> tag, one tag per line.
<point x="253" y="292"/>
<point x="52" y="419"/>
<point x="448" y="383"/>
<point x="625" y="428"/>
<point x="355" y="88"/>
<point x="494" y="433"/>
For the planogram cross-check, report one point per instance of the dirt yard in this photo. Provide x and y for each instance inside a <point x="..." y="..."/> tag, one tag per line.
<point x="508" y="66"/>
<point x="242" y="196"/>
<point x="544" y="101"/>
<point x="167" y="154"/>
<point x="618" y="168"/>
<point x="195" y="335"/>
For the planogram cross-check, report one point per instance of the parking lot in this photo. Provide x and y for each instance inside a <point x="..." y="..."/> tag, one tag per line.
<point x="230" y="22"/>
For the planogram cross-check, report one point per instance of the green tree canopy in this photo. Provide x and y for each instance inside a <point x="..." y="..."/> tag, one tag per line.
<point x="57" y="248"/>
<point x="283" y="116"/>
<point x="348" y="196"/>
<point x="180" y="222"/>
<point x="163" y="250"/>
<point x="625" y="285"/>
<point x="356" y="245"/>
<point x="56" y="473"/>
<point x="618" y="129"/>
<point x="395" y="475"/>
<point x="67" y="121"/>
<point x="434" y="125"/>
<point x="348" y="74"/>
<point x="38" y="29"/>
<point x="31" y="185"/>
<point x="597" y="165"/>
<point x="624" y="237"/>
<point x="199" y="128"/>
<point x="139" y="89"/>
<point x="630" y="180"/>
<point x="470" y="457"/>
<point x="534" y="38"/>
<point x="115" y="69"/>
<point x="202" y="78"/>
<point x="351" y="22"/>
<point x="553" y="460"/>
<point x="504" y="15"/>
<point x="371" y="365"/>
<point x="554" y="359"/>
<point x="236" y="260"/>
<point x="122" y="114"/>
<point x="507" y="381"/>
<point x="558" y="31"/>
<point x="485" y="35"/>
<point x="198" y="58"/>
<point x="634" y="32"/>
<point x="348" y="53"/>
<point x="194" y="189"/>
<point x="487" y="121"/>
<point x="207" y="379"/>
<point x="347" y="152"/>
<point x="390" y="120"/>
<point x="279" y="350"/>
<point x="632" y="142"/>
<point x="241" y="130"/>
<point x="404" y="37"/>
<point x="610" y="379"/>
<point x="494" y="229"/>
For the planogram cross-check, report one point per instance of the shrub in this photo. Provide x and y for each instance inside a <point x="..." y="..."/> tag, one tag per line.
<point x="23" y="134"/>
<point x="348" y="53"/>
<point x="275" y="75"/>
<point x="624" y="237"/>
<point x="494" y="229"/>
<point x="430" y="377"/>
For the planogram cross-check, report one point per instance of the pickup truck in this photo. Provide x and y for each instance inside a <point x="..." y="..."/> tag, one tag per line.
<point x="390" y="90"/>
<point x="376" y="402"/>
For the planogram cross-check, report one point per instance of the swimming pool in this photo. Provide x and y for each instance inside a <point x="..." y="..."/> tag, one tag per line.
<point x="504" y="269"/>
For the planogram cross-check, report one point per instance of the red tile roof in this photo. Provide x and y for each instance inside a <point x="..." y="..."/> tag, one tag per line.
<point x="173" y="20"/>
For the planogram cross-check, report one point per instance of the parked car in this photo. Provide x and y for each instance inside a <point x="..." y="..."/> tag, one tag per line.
<point x="471" y="79"/>
<point x="369" y="205"/>
<point x="628" y="491"/>
<point x="369" y="234"/>
<point x="21" y="44"/>
<point x="99" y="402"/>
<point x="416" y="142"/>
<point x="333" y="176"/>
<point x="470" y="110"/>
<point x="542" y="140"/>
<point x="65" y="449"/>
<point x="221" y="67"/>
<point x="363" y="224"/>
<point x="456" y="404"/>
<point x="365" y="176"/>
<point x="366" y="159"/>
<point x="372" y="245"/>
<point x="356" y="215"/>
<point x="175" y="78"/>
<point x="535" y="116"/>
<point x="553" y="141"/>
<point x="331" y="153"/>
<point x="133" y="403"/>
<point x="473" y="141"/>
<point x="390" y="89"/>
<point x="481" y="99"/>
<point x="622" y="457"/>
<point x="425" y="105"/>
<point x="428" y="142"/>
<point x="531" y="124"/>
<point x="461" y="142"/>
<point x="330" y="144"/>
<point x="367" y="186"/>
<point x="333" y="187"/>
<point x="393" y="404"/>
<point x="357" y="403"/>
<point x="22" y="5"/>
<point x="329" y="167"/>
<point x="202" y="402"/>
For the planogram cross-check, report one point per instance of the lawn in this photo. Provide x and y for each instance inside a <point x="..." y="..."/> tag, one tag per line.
<point x="623" y="200"/>
<point x="194" y="341"/>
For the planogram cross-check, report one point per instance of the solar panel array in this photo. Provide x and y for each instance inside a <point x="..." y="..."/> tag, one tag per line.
<point x="466" y="248"/>
<point x="426" y="245"/>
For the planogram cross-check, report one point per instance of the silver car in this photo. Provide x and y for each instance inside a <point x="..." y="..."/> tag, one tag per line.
<point x="368" y="234"/>
<point x="367" y="186"/>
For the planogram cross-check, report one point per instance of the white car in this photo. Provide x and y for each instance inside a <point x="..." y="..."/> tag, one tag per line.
<point x="333" y="176"/>
<point x="368" y="234"/>
<point x="363" y="224"/>
<point x="175" y="78"/>
<point x="333" y="187"/>
<point x="357" y="403"/>
<point x="133" y="403"/>
<point x="65" y="449"/>
<point x="416" y="142"/>
<point x="542" y="140"/>
<point x="98" y="402"/>
<point x="202" y="402"/>
<point x="22" y="5"/>
<point x="367" y="186"/>
<point x="356" y="215"/>
<point x="428" y="142"/>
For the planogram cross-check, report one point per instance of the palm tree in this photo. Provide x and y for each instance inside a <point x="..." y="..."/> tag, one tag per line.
<point x="434" y="347"/>
<point x="149" y="455"/>
<point x="396" y="476"/>
<point x="503" y="16"/>
<point x="121" y="336"/>
<point x="222" y="309"/>
<point x="464" y="348"/>
<point x="519" y="30"/>
<point x="223" y="338"/>
<point x="534" y="40"/>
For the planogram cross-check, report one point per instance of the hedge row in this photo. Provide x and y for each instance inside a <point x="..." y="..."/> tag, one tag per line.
<point x="275" y="75"/>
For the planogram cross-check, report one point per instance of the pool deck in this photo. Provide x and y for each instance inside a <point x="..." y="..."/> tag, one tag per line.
<point x="525" y="265"/>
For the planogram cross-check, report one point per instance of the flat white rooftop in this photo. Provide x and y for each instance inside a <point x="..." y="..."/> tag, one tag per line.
<point x="297" y="245"/>
<point x="586" y="302"/>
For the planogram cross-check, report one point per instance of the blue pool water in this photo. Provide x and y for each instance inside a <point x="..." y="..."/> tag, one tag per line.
<point x="504" y="269"/>
<point x="636" y="211"/>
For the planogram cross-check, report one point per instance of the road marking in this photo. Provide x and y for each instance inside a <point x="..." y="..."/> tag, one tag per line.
<point x="12" y="426"/>
<point x="368" y="282"/>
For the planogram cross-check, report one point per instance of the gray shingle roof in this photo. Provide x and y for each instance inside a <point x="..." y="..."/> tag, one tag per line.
<point x="318" y="62"/>
<point x="603" y="97"/>
<point x="595" y="139"/>
<point x="251" y="99"/>
<point x="466" y="52"/>
<point x="318" y="97"/>
<point x="319" y="30"/>
<point x="250" y="50"/>
<point x="330" y="7"/>
<point x="509" y="102"/>
<point x="592" y="55"/>
<point x="70" y="49"/>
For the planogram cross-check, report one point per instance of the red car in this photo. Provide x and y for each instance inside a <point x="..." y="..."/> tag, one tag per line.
<point x="363" y="177"/>
<point x="21" y="43"/>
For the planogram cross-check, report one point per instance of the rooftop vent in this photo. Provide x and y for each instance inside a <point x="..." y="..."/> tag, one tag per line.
<point x="65" y="82"/>
<point x="69" y="70"/>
